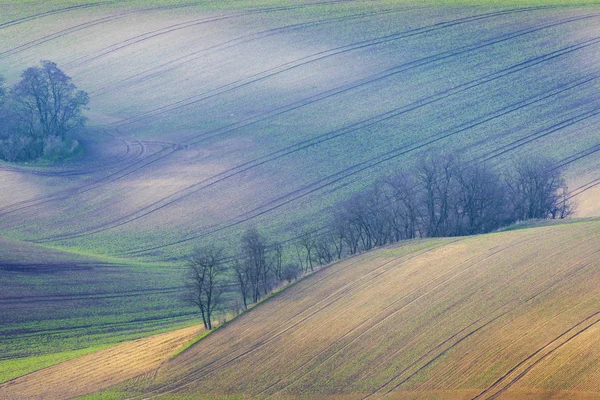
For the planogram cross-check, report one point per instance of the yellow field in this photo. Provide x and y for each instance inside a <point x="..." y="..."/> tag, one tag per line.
<point x="99" y="370"/>
<point x="512" y="315"/>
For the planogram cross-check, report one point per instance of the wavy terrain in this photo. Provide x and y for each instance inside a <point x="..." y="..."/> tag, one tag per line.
<point x="55" y="304"/>
<point x="505" y="315"/>
<point x="99" y="370"/>
<point x="208" y="118"/>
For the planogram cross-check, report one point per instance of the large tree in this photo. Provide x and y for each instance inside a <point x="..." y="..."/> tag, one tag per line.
<point x="48" y="103"/>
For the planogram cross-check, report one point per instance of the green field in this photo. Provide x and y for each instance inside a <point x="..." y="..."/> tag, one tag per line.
<point x="208" y="118"/>
<point x="455" y="318"/>
<point x="221" y="113"/>
<point x="58" y="305"/>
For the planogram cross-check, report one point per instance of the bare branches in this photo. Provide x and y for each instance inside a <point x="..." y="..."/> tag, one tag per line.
<point x="48" y="102"/>
<point x="43" y="107"/>
<point x="439" y="196"/>
<point x="205" y="270"/>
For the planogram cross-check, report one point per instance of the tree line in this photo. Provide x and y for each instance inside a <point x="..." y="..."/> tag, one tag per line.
<point x="439" y="196"/>
<point x="38" y="112"/>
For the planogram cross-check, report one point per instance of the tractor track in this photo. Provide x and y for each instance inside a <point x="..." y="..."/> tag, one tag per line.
<point x="551" y="285"/>
<point x="319" y="56"/>
<point x="357" y="168"/>
<point x="171" y="65"/>
<point x="101" y="164"/>
<point x="531" y="361"/>
<point x="328" y="136"/>
<point x="373" y="322"/>
<point x="339" y="294"/>
<point x="111" y="178"/>
<point x="153" y="34"/>
<point x="540" y="134"/>
<point x="34" y="17"/>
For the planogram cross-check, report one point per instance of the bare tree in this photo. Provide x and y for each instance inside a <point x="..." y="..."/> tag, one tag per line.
<point x="352" y="229"/>
<point x="48" y="102"/>
<point x="278" y="261"/>
<point x="242" y="277"/>
<point x="404" y="199"/>
<point x="205" y="270"/>
<point x="299" y="249"/>
<point x="324" y="249"/>
<point x="338" y="235"/>
<point x="564" y="205"/>
<point x="2" y="91"/>
<point x="537" y="190"/>
<point x="308" y="242"/>
<point x="436" y="176"/>
<point x="254" y="249"/>
<point x="481" y="200"/>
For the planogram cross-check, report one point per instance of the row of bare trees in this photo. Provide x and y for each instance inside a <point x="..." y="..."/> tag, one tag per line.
<point x="438" y="197"/>
<point x="244" y="279"/>
<point x="442" y="197"/>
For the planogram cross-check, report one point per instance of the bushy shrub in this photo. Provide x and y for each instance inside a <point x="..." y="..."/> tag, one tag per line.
<point x="56" y="149"/>
<point x="291" y="272"/>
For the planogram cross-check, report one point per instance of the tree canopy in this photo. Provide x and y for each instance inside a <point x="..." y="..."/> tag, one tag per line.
<point x="39" y="112"/>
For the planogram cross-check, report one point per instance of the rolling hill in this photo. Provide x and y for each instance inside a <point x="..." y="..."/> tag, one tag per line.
<point x="55" y="305"/>
<point x="98" y="370"/>
<point x="210" y="117"/>
<point x="506" y="315"/>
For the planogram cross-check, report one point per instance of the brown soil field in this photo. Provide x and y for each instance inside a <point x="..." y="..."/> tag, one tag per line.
<point x="507" y="315"/>
<point x="98" y="370"/>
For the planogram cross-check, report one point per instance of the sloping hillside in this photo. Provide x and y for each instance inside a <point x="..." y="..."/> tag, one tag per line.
<point x="512" y="314"/>
<point x="53" y="301"/>
<point x="210" y="117"/>
<point x="98" y="370"/>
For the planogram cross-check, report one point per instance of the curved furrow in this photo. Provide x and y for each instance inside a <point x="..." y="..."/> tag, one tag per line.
<point x="538" y="356"/>
<point x="304" y="315"/>
<point x="169" y="66"/>
<point x="85" y="25"/>
<point x="59" y="34"/>
<point x="357" y="168"/>
<point x="310" y="100"/>
<point x="101" y="163"/>
<point x="113" y="177"/>
<point x="184" y="25"/>
<point x="292" y="197"/>
<point x="34" y="17"/>
<point x="400" y="69"/>
<point x="319" y="56"/>
<point x="186" y="192"/>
